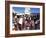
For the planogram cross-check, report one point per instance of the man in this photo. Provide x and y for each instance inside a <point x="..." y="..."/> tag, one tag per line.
<point x="37" y="24"/>
<point x="20" y="22"/>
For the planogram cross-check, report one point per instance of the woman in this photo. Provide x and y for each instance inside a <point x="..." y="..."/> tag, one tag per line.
<point x="29" y="24"/>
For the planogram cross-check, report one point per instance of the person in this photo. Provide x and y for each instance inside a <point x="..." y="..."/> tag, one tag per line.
<point x="29" y="24"/>
<point x="20" y="22"/>
<point x="15" y="23"/>
<point x="37" y="24"/>
<point x="32" y="22"/>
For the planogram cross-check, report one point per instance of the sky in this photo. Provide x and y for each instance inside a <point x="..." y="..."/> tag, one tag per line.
<point x="22" y="10"/>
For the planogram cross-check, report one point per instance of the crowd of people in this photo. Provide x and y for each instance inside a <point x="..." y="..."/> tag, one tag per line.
<point x="26" y="22"/>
